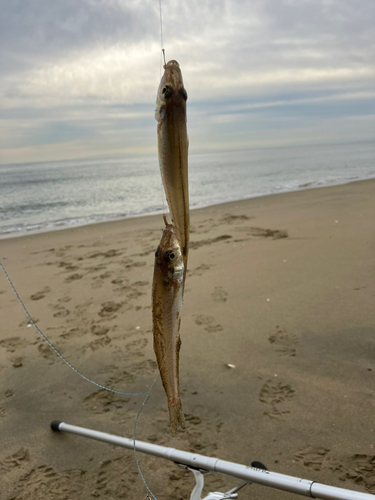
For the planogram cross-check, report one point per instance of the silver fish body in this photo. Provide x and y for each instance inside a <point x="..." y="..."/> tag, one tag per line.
<point x="167" y="295"/>
<point x="173" y="149"/>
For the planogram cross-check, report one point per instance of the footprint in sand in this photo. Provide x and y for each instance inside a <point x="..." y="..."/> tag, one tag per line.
<point x="135" y="264"/>
<point x="176" y="476"/>
<point x="41" y="294"/>
<point x="197" y="244"/>
<point x="94" y="269"/>
<point x="122" y="380"/>
<point x="73" y="277"/>
<point x="97" y="344"/>
<point x="198" y="271"/>
<point x="108" y="255"/>
<point x="104" y="401"/>
<point x="13" y="344"/>
<point x="111" y="482"/>
<point x="229" y="218"/>
<point x="47" y="352"/>
<point x="312" y="457"/>
<point x="109" y="308"/>
<point x="275" y="234"/>
<point x="3" y="397"/>
<point x="146" y="367"/>
<point x="18" y="459"/>
<point x="62" y="312"/>
<point x="117" y="281"/>
<point x="125" y="261"/>
<point x="141" y="283"/>
<point x="135" y="294"/>
<point x="219" y="295"/>
<point x="192" y="419"/>
<point x="122" y="288"/>
<point x="202" y="428"/>
<point x="111" y="253"/>
<point x="67" y="266"/>
<point x="284" y="342"/>
<point x="64" y="299"/>
<point x="97" y="283"/>
<point x="274" y="394"/>
<point x="148" y="251"/>
<point x="137" y="345"/>
<point x="99" y="329"/>
<point x="7" y="394"/>
<point x="17" y="362"/>
<point x="27" y="322"/>
<point x="80" y="310"/>
<point x="361" y="469"/>
<point x="201" y="229"/>
<point x="73" y="333"/>
<point x="60" y="252"/>
<point x="108" y="369"/>
<point x="45" y="482"/>
<point x="208" y="323"/>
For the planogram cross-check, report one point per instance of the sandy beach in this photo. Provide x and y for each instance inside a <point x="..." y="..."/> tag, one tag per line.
<point x="282" y="287"/>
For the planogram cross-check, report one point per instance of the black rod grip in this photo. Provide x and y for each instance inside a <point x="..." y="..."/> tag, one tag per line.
<point x="55" y="425"/>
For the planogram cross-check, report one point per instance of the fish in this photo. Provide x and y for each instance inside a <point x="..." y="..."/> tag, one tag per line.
<point x="173" y="147"/>
<point x="167" y="296"/>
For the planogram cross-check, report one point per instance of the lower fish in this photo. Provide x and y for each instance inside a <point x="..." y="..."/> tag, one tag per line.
<point x="167" y="295"/>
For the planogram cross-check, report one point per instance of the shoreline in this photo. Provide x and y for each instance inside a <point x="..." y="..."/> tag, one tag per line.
<point x="27" y="234"/>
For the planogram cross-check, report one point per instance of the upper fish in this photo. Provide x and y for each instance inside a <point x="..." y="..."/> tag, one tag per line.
<point x="173" y="146"/>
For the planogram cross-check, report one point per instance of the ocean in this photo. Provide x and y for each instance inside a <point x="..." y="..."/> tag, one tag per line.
<point x="38" y="197"/>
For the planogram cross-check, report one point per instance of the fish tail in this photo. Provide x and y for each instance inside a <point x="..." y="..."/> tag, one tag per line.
<point x="176" y="415"/>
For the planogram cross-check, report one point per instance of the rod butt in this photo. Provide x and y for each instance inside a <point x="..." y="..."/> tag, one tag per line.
<point x="55" y="425"/>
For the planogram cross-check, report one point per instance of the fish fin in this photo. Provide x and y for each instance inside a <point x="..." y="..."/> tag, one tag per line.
<point x="176" y="415"/>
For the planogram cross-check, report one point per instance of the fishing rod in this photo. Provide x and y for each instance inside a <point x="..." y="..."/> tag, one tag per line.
<point x="200" y="465"/>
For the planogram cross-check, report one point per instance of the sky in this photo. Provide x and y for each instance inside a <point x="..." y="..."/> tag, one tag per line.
<point x="78" y="78"/>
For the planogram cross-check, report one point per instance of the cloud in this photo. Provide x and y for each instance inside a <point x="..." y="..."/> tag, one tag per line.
<point x="41" y="30"/>
<point x="85" y="72"/>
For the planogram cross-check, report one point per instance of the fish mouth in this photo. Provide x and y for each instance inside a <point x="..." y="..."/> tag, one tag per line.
<point x="172" y="63"/>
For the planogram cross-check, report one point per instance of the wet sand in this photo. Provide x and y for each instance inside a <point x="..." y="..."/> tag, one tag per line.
<point x="282" y="287"/>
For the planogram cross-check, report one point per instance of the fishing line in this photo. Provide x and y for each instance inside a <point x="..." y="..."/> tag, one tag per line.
<point x="147" y="394"/>
<point x="60" y="355"/>
<point x="161" y="33"/>
<point x="162" y="59"/>
<point x="163" y="199"/>
<point x="135" y="454"/>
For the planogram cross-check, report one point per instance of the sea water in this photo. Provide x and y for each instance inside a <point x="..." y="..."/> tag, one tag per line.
<point x="37" y="197"/>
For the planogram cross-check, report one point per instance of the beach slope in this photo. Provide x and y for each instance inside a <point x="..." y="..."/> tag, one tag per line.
<point x="276" y="363"/>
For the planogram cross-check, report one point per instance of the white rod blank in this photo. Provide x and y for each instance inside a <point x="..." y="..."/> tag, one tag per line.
<point x="264" y="477"/>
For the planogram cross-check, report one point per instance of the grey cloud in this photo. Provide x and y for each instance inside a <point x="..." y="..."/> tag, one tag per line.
<point x="339" y="31"/>
<point x="63" y="61"/>
<point x="235" y="34"/>
<point x="44" y="29"/>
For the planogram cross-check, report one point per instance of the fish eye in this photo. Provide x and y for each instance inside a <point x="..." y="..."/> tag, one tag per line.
<point x="183" y="93"/>
<point x="167" y="91"/>
<point x="169" y="256"/>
